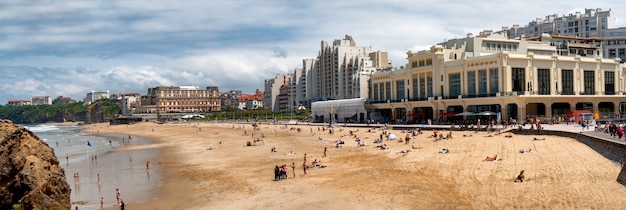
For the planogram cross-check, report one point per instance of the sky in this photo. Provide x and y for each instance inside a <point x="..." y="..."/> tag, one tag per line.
<point x="69" y="48"/>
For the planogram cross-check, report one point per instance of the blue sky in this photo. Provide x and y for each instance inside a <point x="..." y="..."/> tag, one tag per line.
<point x="72" y="47"/>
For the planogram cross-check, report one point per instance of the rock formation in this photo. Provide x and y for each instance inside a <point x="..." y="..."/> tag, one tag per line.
<point x="29" y="171"/>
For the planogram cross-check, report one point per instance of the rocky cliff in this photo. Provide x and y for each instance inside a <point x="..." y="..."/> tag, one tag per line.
<point x="29" y="171"/>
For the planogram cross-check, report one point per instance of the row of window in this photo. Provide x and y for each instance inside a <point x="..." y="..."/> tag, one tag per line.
<point x="478" y="84"/>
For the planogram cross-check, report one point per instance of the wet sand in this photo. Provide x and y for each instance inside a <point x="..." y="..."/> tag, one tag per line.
<point x="561" y="172"/>
<point x="118" y="168"/>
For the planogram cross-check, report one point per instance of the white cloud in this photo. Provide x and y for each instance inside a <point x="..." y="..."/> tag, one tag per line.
<point x="71" y="47"/>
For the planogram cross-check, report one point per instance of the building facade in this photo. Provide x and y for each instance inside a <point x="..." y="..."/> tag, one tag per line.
<point x="505" y="78"/>
<point x="18" y="102"/>
<point x="63" y="100"/>
<point x="95" y="95"/>
<point x="183" y="99"/>
<point x="340" y="71"/>
<point x="41" y="100"/>
<point x="272" y="90"/>
<point x="591" y="23"/>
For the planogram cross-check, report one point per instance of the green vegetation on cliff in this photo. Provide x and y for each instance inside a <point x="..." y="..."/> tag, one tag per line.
<point x="58" y="112"/>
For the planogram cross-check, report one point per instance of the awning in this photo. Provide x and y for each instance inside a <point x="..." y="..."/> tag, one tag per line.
<point x="448" y="114"/>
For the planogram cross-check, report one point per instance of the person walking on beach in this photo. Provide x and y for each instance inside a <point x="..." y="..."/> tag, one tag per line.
<point x="325" y="151"/>
<point x="147" y="165"/>
<point x="304" y="167"/>
<point x="122" y="206"/>
<point x="118" y="195"/>
<point x="101" y="202"/>
<point x="293" y="169"/>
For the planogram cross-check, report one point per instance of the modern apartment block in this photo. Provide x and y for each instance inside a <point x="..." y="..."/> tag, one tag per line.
<point x="183" y="99"/>
<point x="591" y="23"/>
<point x="614" y="44"/>
<point x="41" y="100"/>
<point x="272" y="90"/>
<point x="500" y="77"/>
<point x="340" y="71"/>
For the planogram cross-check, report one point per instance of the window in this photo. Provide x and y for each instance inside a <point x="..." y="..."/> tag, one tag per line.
<point x="387" y="90"/>
<point x="518" y="79"/>
<point x="482" y="81"/>
<point x="471" y="83"/>
<point x="543" y="81"/>
<point x="415" y="89"/>
<point x="567" y="82"/>
<point x="609" y="83"/>
<point x="589" y="83"/>
<point x="493" y="80"/>
<point x="400" y="89"/>
<point x="430" y="86"/>
<point x="376" y="93"/>
<point x="455" y="84"/>
<point x="422" y="87"/>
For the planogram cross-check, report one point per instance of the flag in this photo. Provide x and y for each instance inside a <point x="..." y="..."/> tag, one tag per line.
<point x="88" y="143"/>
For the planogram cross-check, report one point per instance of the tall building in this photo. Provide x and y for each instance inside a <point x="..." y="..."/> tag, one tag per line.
<point x="614" y="44"/>
<point x="340" y="71"/>
<point x="41" y="100"/>
<point x="183" y="99"/>
<point x="272" y="90"/>
<point x="499" y="78"/>
<point x="592" y="23"/>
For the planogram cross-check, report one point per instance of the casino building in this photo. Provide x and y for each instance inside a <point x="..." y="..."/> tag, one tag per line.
<point x="544" y="77"/>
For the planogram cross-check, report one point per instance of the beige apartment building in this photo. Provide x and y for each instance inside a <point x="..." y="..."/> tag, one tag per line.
<point x="499" y="78"/>
<point x="165" y="99"/>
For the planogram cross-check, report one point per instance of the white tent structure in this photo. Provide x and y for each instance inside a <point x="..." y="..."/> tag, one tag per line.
<point x="352" y="110"/>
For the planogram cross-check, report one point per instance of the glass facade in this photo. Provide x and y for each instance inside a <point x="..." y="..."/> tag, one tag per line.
<point x="567" y="82"/>
<point x="518" y="79"/>
<point x="471" y="83"/>
<point x="543" y="80"/>
<point x="455" y="84"/>
<point x="590" y="82"/>
<point x="400" y="89"/>
<point x="609" y="83"/>
<point x="493" y="80"/>
<point x="482" y="82"/>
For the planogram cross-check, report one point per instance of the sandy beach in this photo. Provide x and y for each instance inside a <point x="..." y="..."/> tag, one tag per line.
<point x="561" y="173"/>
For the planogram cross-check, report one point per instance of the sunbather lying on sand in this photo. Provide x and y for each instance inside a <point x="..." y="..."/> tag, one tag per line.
<point x="538" y="139"/>
<point x="509" y="136"/>
<point x="526" y="151"/>
<point x="494" y="158"/>
<point x="444" y="151"/>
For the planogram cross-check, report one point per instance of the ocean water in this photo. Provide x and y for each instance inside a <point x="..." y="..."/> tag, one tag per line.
<point x="101" y="166"/>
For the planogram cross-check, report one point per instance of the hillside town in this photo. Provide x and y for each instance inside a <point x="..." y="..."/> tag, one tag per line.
<point x="552" y="69"/>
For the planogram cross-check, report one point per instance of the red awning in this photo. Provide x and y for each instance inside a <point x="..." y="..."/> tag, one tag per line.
<point x="448" y="114"/>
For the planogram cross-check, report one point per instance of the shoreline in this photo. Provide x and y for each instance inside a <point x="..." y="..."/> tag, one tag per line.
<point x="116" y="168"/>
<point x="234" y="176"/>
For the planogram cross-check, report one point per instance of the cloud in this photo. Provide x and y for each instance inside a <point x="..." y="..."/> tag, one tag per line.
<point x="72" y="47"/>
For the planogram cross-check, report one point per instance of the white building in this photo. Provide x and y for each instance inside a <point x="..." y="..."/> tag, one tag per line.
<point x="504" y="78"/>
<point x="272" y="90"/>
<point x="592" y="23"/>
<point x="41" y="100"/>
<point x="96" y="95"/>
<point x="340" y="71"/>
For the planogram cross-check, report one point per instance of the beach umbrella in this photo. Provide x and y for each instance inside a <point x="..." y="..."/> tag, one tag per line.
<point x="487" y="113"/>
<point x="465" y="114"/>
